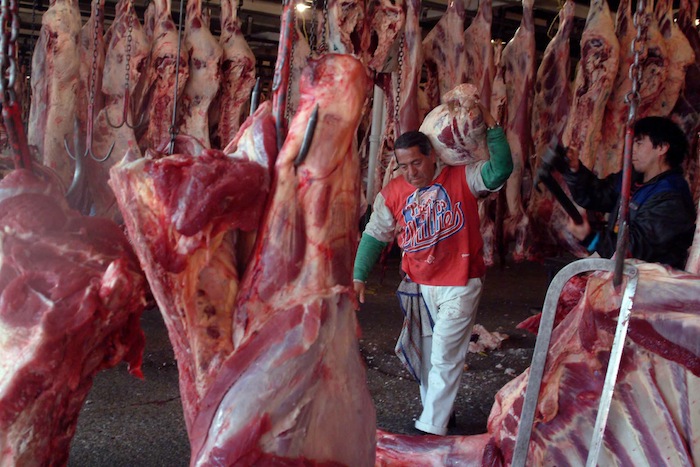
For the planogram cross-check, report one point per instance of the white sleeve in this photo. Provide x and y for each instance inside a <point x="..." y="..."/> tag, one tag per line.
<point x="382" y="224"/>
<point x="476" y="182"/>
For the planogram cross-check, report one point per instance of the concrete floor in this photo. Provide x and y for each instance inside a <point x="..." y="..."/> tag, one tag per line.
<point x="131" y="422"/>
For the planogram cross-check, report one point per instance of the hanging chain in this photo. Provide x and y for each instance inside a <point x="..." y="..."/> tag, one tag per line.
<point x="9" y="17"/>
<point x="323" y="46"/>
<point x="129" y="39"/>
<point x="637" y="49"/>
<point x="397" y="97"/>
<point x="314" y="25"/>
<point x="95" y="46"/>
<point x="288" y="107"/>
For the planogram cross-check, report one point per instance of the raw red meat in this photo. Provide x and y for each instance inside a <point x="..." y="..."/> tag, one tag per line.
<point x="479" y="52"/>
<point x="681" y="56"/>
<point x="55" y="80"/>
<point x="162" y="76"/>
<point x="652" y="418"/>
<point x="237" y="76"/>
<point x="443" y="48"/>
<point x="294" y="389"/>
<point x="456" y="128"/>
<point x="595" y="75"/>
<point x="205" y="55"/>
<point x="179" y="211"/>
<point x="71" y="297"/>
<point x="113" y="84"/>
<point x="548" y="233"/>
<point x="519" y="63"/>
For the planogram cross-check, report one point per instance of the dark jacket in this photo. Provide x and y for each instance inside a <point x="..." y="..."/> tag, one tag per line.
<point x="661" y="214"/>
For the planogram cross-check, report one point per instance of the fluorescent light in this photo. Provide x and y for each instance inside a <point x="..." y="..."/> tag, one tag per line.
<point x="302" y="7"/>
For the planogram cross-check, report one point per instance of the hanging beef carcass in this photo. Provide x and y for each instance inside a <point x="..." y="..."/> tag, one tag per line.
<point x="204" y="53"/>
<point x="681" y="56"/>
<point x="653" y="417"/>
<point x="277" y="396"/>
<point x="125" y="33"/>
<point x="178" y="211"/>
<point x="550" y="111"/>
<point x="386" y="22"/>
<point x="166" y="78"/>
<point x="347" y="27"/>
<point x="71" y="297"/>
<point x="55" y="81"/>
<point x="595" y="75"/>
<point x="294" y="344"/>
<point x="687" y="110"/>
<point x="237" y="77"/>
<point x="479" y="52"/>
<point x="654" y="66"/>
<point x="443" y="49"/>
<point x="519" y="75"/>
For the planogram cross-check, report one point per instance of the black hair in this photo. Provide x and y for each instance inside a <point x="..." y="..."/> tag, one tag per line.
<point x="414" y="138"/>
<point x="662" y="130"/>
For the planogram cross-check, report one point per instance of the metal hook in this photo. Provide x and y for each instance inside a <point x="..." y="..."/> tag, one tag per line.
<point x="127" y="93"/>
<point x="308" y="137"/>
<point x="125" y="115"/>
<point x="91" y="102"/>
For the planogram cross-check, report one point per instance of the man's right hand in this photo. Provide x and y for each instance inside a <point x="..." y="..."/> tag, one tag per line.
<point x="359" y="290"/>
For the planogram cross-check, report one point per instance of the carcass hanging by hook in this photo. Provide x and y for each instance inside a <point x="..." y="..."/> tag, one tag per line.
<point x="91" y="103"/>
<point x="127" y="92"/>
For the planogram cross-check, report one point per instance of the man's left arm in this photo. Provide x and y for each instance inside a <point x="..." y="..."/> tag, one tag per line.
<point x="498" y="168"/>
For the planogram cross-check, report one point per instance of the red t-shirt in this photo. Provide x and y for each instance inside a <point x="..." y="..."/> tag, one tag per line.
<point x="439" y="229"/>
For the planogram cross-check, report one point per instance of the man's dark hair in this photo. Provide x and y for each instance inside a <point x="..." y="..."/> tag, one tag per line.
<point x="414" y="138"/>
<point x="662" y="130"/>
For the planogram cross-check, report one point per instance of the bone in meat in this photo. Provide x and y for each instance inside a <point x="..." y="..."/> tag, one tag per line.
<point x="302" y="348"/>
<point x="550" y="110"/>
<point x="595" y="75"/>
<point x="443" y="47"/>
<point x="123" y="138"/>
<point x="71" y="298"/>
<point x="479" y="52"/>
<point x="237" y="76"/>
<point x="161" y="76"/>
<point x="205" y="54"/>
<point x="657" y="386"/>
<point x="519" y="68"/>
<point x="55" y="81"/>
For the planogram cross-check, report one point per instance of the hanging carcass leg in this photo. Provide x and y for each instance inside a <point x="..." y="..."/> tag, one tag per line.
<point x="294" y="387"/>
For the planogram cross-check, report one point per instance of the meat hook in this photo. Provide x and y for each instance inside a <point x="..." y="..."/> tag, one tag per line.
<point x="255" y="96"/>
<point x="308" y="137"/>
<point x="127" y="93"/>
<point x="91" y="102"/>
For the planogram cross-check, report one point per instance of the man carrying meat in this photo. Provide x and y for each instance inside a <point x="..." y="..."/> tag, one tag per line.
<point x="661" y="211"/>
<point x="434" y="209"/>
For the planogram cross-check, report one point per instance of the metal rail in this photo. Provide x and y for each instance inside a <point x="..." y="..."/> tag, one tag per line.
<point x="544" y="335"/>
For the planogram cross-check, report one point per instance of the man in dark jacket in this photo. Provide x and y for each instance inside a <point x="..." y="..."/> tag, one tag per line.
<point x="661" y="212"/>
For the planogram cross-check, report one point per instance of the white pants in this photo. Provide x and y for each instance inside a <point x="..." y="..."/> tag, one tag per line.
<point x="453" y="310"/>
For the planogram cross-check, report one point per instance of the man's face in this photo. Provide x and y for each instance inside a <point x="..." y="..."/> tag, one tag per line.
<point x="645" y="157"/>
<point x="416" y="168"/>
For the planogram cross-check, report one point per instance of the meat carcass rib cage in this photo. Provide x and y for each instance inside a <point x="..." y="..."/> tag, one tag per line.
<point x="539" y="357"/>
